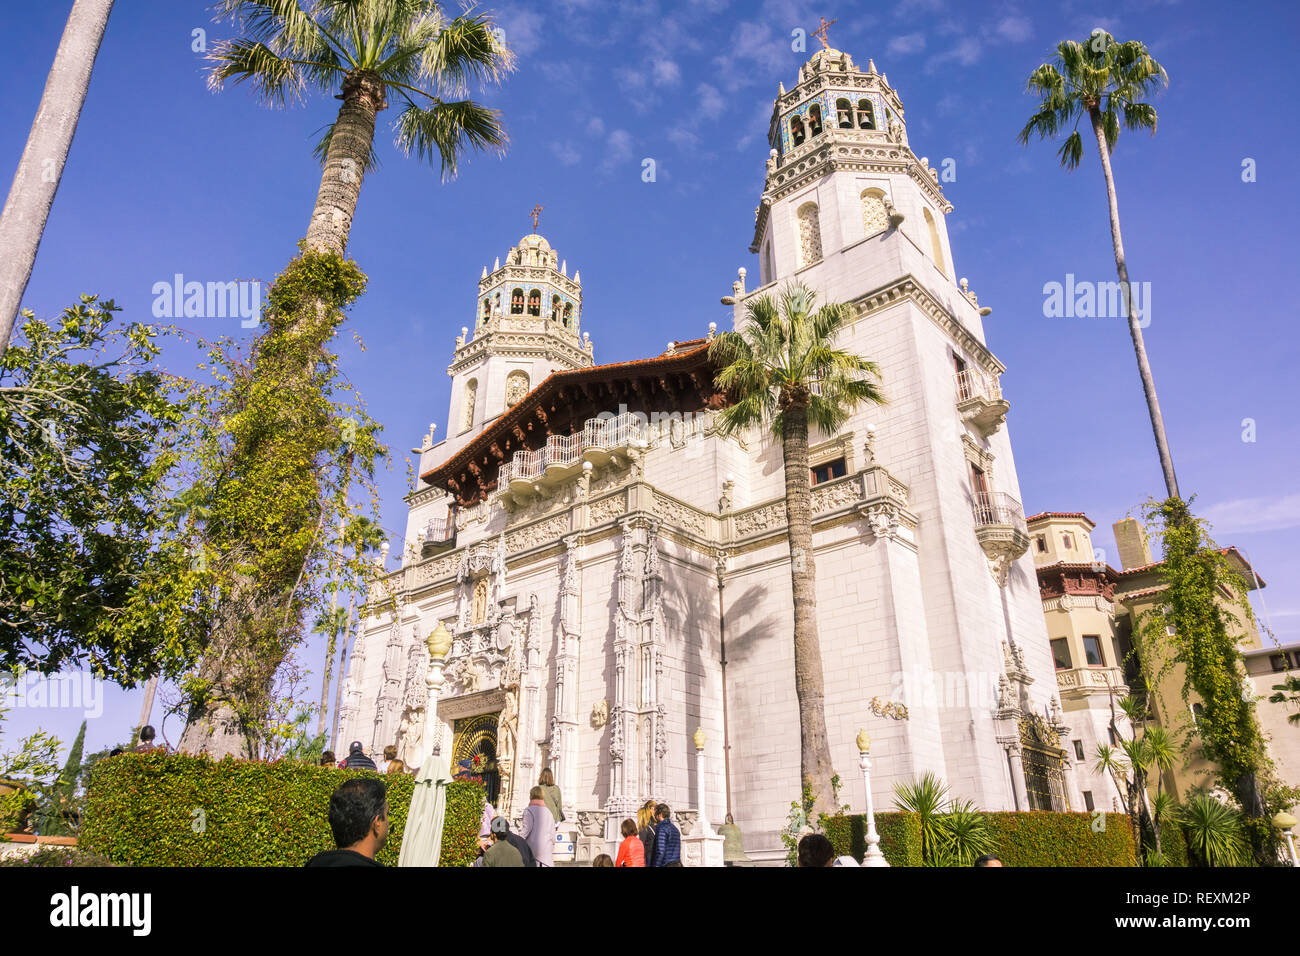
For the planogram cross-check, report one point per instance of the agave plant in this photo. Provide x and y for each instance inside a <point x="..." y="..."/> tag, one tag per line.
<point x="1214" y="831"/>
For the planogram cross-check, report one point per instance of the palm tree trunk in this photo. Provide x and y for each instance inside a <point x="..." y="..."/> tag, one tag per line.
<point x="338" y="687"/>
<point x="814" y="749"/>
<point x="345" y="163"/>
<point x="329" y="665"/>
<point x="1135" y="330"/>
<point x="41" y="167"/>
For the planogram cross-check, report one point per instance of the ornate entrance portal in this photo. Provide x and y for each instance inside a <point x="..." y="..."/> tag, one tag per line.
<point x="474" y="751"/>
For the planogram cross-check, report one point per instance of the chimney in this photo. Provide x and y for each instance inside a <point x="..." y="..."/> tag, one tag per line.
<point x="1131" y="539"/>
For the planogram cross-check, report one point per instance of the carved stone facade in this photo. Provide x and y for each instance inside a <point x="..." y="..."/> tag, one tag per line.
<point x="590" y="594"/>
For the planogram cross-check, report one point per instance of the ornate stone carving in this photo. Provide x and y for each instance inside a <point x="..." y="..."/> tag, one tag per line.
<point x="874" y="217"/>
<point x="760" y="519"/>
<point x="883" y="520"/>
<point x="600" y="714"/>
<point x="544" y="532"/>
<point x="888" y="708"/>
<point x="682" y="515"/>
<point x="606" y="509"/>
<point x="832" y="496"/>
<point x="591" y="823"/>
<point x="686" y="820"/>
<point x="616" y="733"/>
<point x="661" y="731"/>
<point x="516" y="387"/>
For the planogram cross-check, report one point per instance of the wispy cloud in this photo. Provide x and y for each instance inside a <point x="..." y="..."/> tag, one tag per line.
<point x="907" y="43"/>
<point x="1244" y="515"/>
<point x="618" y="149"/>
<point x="566" y="153"/>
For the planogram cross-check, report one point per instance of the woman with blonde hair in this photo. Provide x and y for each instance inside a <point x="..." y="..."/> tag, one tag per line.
<point x="551" y="795"/>
<point x="645" y="821"/>
<point x="396" y="766"/>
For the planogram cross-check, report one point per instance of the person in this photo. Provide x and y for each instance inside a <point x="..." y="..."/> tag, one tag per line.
<point x="645" y="821"/>
<point x="551" y="794"/>
<point x="631" y="852"/>
<point x="668" y="839"/>
<point x="327" y="759"/>
<point x="485" y="823"/>
<point x="396" y="765"/>
<point x="503" y="851"/>
<point x="147" y="735"/>
<point x="115" y="751"/>
<point x="602" y="860"/>
<point x="390" y="754"/>
<point x="988" y="859"/>
<point x="845" y="860"/>
<point x="357" y="759"/>
<point x="359" y="821"/>
<point x="816" y="850"/>
<point x="538" y="828"/>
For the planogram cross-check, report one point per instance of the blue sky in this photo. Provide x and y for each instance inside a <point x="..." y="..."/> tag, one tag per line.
<point x="166" y="177"/>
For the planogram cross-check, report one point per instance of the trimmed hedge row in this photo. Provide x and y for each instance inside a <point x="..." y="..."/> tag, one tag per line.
<point x="1038" y="838"/>
<point x="1173" y="843"/>
<point x="1021" y="839"/>
<point x="900" y="836"/>
<point x="160" y="809"/>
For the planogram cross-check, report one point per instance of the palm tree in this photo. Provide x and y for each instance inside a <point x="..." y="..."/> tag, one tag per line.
<point x="782" y="369"/>
<point x="1214" y="832"/>
<point x="1104" y="81"/>
<point x="330" y="623"/>
<point x="368" y="50"/>
<point x="41" y="167"/>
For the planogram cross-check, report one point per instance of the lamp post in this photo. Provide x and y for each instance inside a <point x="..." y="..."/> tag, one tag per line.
<point x="873" y="856"/>
<point x="439" y="644"/>
<point x="703" y="821"/>
<point x="1284" y="822"/>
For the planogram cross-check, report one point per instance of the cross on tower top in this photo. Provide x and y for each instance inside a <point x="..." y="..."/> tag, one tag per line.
<point x="536" y="214"/>
<point x="820" y="32"/>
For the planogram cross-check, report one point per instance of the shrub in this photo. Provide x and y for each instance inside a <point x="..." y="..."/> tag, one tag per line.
<point x="1173" y="844"/>
<point x="160" y="809"/>
<point x="1038" y="838"/>
<point x="49" y="856"/>
<point x="1215" y="835"/>
<point x="900" y="836"/>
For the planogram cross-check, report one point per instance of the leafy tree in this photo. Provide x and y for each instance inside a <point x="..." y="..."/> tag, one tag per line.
<point x="1104" y="82"/>
<point x="63" y="811"/>
<point x="41" y="167"/>
<point x="781" y="370"/>
<point x="90" y="441"/>
<point x="33" y="771"/>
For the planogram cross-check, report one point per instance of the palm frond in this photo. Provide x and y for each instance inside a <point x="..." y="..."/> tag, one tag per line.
<point x="447" y="130"/>
<point x="275" y="79"/>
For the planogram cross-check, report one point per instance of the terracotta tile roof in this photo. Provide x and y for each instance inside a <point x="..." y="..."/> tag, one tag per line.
<point x="1060" y="514"/>
<point x="1249" y="572"/>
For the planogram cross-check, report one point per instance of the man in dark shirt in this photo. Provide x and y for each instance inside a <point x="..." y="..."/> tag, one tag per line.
<point x="359" y="821"/>
<point x="357" y="759"/>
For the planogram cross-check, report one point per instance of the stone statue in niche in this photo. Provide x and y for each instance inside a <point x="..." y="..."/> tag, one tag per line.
<point x="478" y="613"/>
<point x="600" y="714"/>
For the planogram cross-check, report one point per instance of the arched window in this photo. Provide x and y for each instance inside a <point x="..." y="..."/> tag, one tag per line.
<point x="496" y="303"/>
<point x="810" y="235"/>
<point x="516" y="387"/>
<point x="555" y="308"/>
<point x="535" y="302"/>
<point x="815" y="120"/>
<point x="796" y="130"/>
<point x="487" y="308"/>
<point x="844" y="113"/>
<point x="517" y="302"/>
<point x="936" y="247"/>
<point x="874" y="217"/>
<point x="866" y="115"/>
<point x="467" y="404"/>
<point x="568" y="315"/>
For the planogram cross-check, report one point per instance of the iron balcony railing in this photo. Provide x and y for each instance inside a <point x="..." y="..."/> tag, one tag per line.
<point x="438" y="530"/>
<point x="997" y="508"/>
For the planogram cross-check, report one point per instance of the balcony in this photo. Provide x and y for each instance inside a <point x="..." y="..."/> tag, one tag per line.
<point x="1078" y="682"/>
<point x="562" y="457"/>
<point x="1000" y="527"/>
<point x="437" y="532"/>
<point x="980" y="401"/>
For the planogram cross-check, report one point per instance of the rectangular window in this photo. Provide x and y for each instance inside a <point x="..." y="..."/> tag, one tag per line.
<point x="1078" y="750"/>
<point x="832" y="469"/>
<point x="1068" y="540"/>
<point x="1087" y="801"/>
<point x="1092" y="650"/>
<point x="1041" y="542"/>
<point x="1061" y="653"/>
<point x="1278" y="662"/>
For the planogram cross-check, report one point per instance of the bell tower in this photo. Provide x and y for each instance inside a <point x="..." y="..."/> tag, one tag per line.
<point x="527" y="324"/>
<point x="840" y="171"/>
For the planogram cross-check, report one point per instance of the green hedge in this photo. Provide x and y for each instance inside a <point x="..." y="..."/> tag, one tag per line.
<point x="1173" y="844"/>
<point x="900" y="836"/>
<point x="1039" y="838"/>
<point x="142" y="809"/>
<point x="1022" y="839"/>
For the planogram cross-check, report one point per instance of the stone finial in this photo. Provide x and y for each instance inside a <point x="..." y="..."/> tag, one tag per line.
<point x="496" y="265"/>
<point x="780" y="89"/>
<point x="864" y="742"/>
<point x="564" y="267"/>
<point x="484" y="275"/>
<point x="713" y="330"/>
<point x="698" y="738"/>
<point x="871" y="65"/>
<point x="439" y="642"/>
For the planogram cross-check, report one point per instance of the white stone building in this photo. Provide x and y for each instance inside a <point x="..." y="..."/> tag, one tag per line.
<point x="613" y="581"/>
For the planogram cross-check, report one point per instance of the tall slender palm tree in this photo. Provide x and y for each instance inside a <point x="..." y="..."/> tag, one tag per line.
<point x="368" y="50"/>
<point x="330" y="624"/>
<point x="782" y="370"/>
<point x="1104" y="81"/>
<point x="40" y="169"/>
